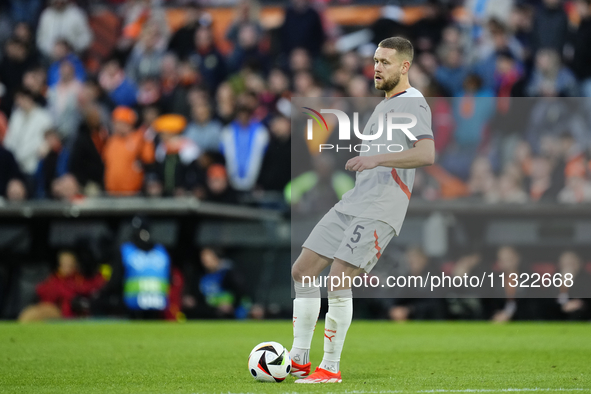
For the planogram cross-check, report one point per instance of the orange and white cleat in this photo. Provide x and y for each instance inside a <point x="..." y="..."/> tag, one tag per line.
<point x="300" y="370"/>
<point x="322" y="376"/>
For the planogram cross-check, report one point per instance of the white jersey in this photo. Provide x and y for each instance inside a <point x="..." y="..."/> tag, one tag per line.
<point x="383" y="193"/>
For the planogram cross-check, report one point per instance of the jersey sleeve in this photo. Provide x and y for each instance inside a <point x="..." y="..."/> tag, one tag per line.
<point x="422" y="130"/>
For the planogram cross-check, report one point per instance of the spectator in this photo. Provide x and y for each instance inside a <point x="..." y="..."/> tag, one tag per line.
<point x="541" y="187"/>
<point x="12" y="185"/>
<point x="551" y="118"/>
<point x="247" y="13"/>
<point x="420" y="77"/>
<point x="577" y="190"/>
<point x="428" y="30"/>
<point x="243" y="144"/>
<point x="358" y="87"/>
<point x="26" y="128"/>
<point x="278" y="84"/>
<point x="511" y="189"/>
<point x="206" y="58"/>
<point x="275" y="170"/>
<point x="500" y="40"/>
<point x="146" y="57"/>
<point x="92" y="97"/>
<point x="482" y="179"/>
<point x="225" y="103"/>
<point x="175" y="81"/>
<point x="174" y="154"/>
<point x="53" y="164"/>
<point x="574" y="300"/>
<point x="246" y="51"/>
<point x="63" y="101"/>
<point x="139" y="13"/>
<point x="125" y="154"/>
<point x="452" y="73"/>
<point x="550" y="27"/>
<point x="219" y="291"/>
<point x="149" y="113"/>
<point x="415" y="302"/>
<point x="35" y="81"/>
<point x="550" y="78"/>
<point x="121" y="90"/>
<point x="508" y="72"/>
<point x="472" y="113"/>
<point x="22" y="31"/>
<point x="58" y="293"/>
<point x="217" y="188"/>
<point x="63" y="20"/>
<point x="181" y="41"/>
<point x="149" y="92"/>
<point x="203" y="130"/>
<point x="13" y="65"/>
<point x="62" y="51"/>
<point x="482" y="11"/>
<point x="305" y="85"/>
<point x="508" y="262"/>
<point x="582" y="47"/>
<point x="302" y="28"/>
<point x="521" y="23"/>
<point x="467" y="305"/>
<point x="66" y="188"/>
<point x="86" y="163"/>
<point x="25" y="11"/>
<point x="300" y="60"/>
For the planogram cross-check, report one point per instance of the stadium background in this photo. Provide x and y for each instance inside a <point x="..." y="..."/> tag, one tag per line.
<point x="495" y="195"/>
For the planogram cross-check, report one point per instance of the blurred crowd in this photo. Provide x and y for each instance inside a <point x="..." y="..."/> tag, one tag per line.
<point x="142" y="279"/>
<point x="137" y="279"/>
<point x="510" y="302"/>
<point x="172" y="112"/>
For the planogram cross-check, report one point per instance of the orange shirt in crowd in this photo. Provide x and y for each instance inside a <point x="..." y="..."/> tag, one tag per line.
<point x="123" y="157"/>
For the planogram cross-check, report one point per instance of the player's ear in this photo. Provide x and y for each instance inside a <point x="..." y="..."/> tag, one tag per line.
<point x="405" y="66"/>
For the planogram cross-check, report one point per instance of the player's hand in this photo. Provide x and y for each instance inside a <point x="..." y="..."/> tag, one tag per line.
<point x="361" y="163"/>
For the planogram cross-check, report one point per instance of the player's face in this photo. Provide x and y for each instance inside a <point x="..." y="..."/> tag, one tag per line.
<point x="388" y="68"/>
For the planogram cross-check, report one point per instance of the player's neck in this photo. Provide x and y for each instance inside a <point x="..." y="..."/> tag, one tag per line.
<point x="401" y="87"/>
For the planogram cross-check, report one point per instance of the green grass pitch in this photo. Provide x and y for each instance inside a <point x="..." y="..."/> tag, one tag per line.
<point x="211" y="357"/>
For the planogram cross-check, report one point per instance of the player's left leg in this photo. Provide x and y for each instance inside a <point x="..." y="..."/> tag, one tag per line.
<point x="337" y="322"/>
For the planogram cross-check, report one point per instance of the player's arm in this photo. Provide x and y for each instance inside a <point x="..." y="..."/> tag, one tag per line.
<point x="422" y="154"/>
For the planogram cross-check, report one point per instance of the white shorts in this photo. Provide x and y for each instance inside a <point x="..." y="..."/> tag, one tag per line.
<point x="358" y="241"/>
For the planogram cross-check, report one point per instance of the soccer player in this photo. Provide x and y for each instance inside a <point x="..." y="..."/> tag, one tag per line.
<point x="353" y="234"/>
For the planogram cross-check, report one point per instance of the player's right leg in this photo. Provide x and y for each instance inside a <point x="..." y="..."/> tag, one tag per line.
<point x="306" y="307"/>
<point x="316" y="255"/>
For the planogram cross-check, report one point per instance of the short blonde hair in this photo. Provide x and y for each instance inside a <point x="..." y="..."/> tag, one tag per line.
<point x="403" y="47"/>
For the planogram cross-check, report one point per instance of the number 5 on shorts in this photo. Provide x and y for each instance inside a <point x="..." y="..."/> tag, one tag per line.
<point x="357" y="233"/>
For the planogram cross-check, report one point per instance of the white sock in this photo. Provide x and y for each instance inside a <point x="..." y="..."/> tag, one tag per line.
<point x="338" y="320"/>
<point x="306" y="307"/>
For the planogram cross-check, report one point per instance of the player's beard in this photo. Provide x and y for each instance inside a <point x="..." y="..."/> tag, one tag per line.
<point x="388" y="85"/>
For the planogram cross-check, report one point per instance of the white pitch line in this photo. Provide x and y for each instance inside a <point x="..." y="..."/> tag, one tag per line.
<point x="502" y="390"/>
<point x="438" y="391"/>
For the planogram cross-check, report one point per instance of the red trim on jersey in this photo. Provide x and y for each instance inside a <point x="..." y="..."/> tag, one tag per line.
<point x="400" y="183"/>
<point x="379" y="254"/>
<point x="397" y="94"/>
<point x="424" y="138"/>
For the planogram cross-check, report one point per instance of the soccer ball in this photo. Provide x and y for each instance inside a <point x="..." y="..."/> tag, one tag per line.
<point x="269" y="362"/>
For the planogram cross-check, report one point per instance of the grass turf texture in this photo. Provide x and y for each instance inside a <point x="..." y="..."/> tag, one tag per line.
<point x="211" y="357"/>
